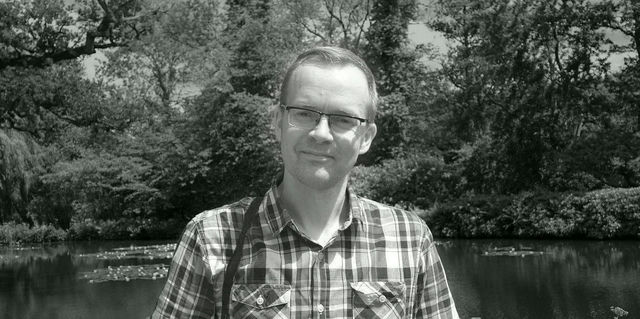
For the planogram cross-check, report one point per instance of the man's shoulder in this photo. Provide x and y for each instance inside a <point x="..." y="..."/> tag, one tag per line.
<point x="394" y="218"/>
<point x="229" y="216"/>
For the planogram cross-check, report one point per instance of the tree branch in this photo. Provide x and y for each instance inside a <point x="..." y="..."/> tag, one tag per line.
<point x="361" y="27"/>
<point x="104" y="30"/>
<point x="314" y="32"/>
<point x="51" y="58"/>
<point x="333" y="15"/>
<point x="556" y="51"/>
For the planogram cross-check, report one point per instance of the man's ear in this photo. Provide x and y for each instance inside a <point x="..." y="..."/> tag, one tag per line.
<point x="367" y="138"/>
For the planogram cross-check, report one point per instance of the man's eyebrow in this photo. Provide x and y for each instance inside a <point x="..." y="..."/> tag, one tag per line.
<point x="344" y="113"/>
<point x="337" y="112"/>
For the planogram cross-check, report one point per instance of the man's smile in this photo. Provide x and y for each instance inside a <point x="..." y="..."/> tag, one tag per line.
<point x="316" y="156"/>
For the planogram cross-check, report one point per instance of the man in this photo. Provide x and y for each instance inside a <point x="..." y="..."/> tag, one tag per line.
<point x="315" y="249"/>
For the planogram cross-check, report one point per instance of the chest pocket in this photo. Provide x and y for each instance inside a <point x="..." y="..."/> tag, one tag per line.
<point x="260" y="301"/>
<point x="378" y="299"/>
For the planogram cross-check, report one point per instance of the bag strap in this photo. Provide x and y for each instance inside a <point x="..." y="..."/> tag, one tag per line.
<point x="232" y="267"/>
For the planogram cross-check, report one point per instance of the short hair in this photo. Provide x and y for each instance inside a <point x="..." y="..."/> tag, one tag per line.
<point x="333" y="56"/>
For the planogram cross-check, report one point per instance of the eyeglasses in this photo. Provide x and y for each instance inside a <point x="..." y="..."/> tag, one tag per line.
<point x="305" y="118"/>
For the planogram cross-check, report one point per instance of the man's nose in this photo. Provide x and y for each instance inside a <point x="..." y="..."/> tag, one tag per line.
<point x="322" y="132"/>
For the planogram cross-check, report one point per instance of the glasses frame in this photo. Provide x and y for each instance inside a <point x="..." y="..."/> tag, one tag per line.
<point x="327" y="115"/>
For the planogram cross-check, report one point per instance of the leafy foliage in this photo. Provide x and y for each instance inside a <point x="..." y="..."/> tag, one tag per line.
<point x="42" y="102"/>
<point x="609" y="213"/>
<point x="528" y="79"/>
<point x="19" y="233"/>
<point x="20" y="163"/>
<point x="525" y="112"/>
<point x="262" y="42"/>
<point x="415" y="181"/>
<point x="41" y="33"/>
<point x="232" y="152"/>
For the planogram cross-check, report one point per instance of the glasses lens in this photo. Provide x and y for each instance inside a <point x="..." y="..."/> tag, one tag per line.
<point x="308" y="119"/>
<point x="342" y="123"/>
<point x="303" y="118"/>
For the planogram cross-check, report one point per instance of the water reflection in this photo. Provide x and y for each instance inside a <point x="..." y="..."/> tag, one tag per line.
<point x="42" y="282"/>
<point x="571" y="279"/>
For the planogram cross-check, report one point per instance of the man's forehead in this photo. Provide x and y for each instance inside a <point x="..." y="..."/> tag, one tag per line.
<point x="323" y="71"/>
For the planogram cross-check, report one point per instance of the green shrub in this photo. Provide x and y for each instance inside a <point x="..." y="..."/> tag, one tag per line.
<point x="610" y="213"/>
<point x="475" y="217"/>
<point x="127" y="228"/>
<point x="417" y="180"/>
<point x="84" y="230"/>
<point x="115" y="229"/>
<point x="12" y="233"/>
<point x="605" y="213"/>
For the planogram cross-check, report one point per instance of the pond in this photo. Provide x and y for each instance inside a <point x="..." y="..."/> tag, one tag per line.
<point x="563" y="279"/>
<point x="489" y="279"/>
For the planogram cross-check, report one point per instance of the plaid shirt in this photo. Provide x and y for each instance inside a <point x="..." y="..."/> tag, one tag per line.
<point x="382" y="263"/>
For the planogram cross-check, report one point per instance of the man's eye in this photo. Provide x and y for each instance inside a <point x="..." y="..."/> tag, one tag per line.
<point x="305" y="114"/>
<point x="343" y="120"/>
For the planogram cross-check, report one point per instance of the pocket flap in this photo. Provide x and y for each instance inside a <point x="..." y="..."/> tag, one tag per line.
<point x="369" y="293"/>
<point x="261" y="295"/>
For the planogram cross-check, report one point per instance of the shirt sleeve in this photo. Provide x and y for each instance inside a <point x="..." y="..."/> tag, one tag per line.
<point x="434" y="299"/>
<point x="188" y="292"/>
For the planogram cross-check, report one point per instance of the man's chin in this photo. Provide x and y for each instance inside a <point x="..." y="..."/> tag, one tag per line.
<point x="318" y="179"/>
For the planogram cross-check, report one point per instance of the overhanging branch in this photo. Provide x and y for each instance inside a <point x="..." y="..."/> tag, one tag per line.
<point x="105" y="30"/>
<point x="51" y="58"/>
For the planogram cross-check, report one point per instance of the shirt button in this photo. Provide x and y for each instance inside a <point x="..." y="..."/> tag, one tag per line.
<point x="382" y="298"/>
<point x="320" y="308"/>
<point x="320" y="256"/>
<point x="260" y="301"/>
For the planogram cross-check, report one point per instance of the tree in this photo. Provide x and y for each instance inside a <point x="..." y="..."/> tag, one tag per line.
<point x="41" y="102"/>
<point x="387" y="49"/>
<point x="528" y="74"/>
<point x="626" y="20"/>
<point x="408" y="88"/>
<point x="230" y="152"/>
<point x="20" y="162"/>
<point x="262" y="41"/>
<point x="331" y="22"/>
<point x="40" y="33"/>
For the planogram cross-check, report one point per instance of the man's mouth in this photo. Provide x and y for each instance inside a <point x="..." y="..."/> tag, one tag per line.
<point x="318" y="156"/>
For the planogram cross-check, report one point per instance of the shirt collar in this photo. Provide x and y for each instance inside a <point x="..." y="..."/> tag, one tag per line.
<point x="278" y="217"/>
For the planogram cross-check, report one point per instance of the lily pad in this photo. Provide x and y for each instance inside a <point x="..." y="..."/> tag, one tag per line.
<point x="136" y="252"/>
<point x="511" y="252"/>
<point x="125" y="273"/>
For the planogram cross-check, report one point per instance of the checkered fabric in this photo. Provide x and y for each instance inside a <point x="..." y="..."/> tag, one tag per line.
<point x="382" y="263"/>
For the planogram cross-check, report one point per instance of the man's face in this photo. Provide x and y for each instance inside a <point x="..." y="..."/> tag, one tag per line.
<point x="319" y="157"/>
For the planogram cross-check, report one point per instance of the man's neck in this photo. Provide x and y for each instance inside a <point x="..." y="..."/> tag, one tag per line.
<point x="318" y="213"/>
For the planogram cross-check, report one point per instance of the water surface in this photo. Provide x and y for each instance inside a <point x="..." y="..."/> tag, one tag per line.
<point x="569" y="279"/>
<point x="42" y="282"/>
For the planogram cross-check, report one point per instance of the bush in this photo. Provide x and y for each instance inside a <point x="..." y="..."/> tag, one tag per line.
<point x="129" y="228"/>
<point x="12" y="234"/>
<point x="610" y="213"/>
<point x="475" y="217"/>
<point x="417" y="180"/>
<point x="606" y="213"/>
<point x="84" y="230"/>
